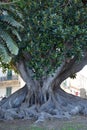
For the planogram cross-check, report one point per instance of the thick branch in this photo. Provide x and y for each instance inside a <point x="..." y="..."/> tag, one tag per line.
<point x="68" y="69"/>
<point x="25" y="73"/>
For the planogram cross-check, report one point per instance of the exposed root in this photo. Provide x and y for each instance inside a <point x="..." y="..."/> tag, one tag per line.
<point x="15" y="100"/>
<point x="57" y="105"/>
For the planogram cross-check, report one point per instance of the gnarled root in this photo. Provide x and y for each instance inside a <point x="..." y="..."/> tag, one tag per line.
<point x="57" y="105"/>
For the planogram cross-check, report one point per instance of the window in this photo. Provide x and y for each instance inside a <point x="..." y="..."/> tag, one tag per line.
<point x="9" y="75"/>
<point x="8" y="91"/>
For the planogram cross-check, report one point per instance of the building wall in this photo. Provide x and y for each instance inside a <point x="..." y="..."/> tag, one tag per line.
<point x="9" y="86"/>
<point x="13" y="84"/>
<point x="22" y="83"/>
<point x="78" y="85"/>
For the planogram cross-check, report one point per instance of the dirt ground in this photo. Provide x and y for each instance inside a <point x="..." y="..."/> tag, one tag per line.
<point x="76" y="123"/>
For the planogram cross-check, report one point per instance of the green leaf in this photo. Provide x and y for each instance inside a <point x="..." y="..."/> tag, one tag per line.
<point x="4" y="55"/>
<point x="16" y="34"/>
<point x="9" y="42"/>
<point x="10" y="20"/>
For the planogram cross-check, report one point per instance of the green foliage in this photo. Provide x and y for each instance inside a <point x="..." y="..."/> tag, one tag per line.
<point x="73" y="76"/>
<point x="53" y="32"/>
<point x="8" y="26"/>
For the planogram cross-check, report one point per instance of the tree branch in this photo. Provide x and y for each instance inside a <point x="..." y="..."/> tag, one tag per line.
<point x="25" y="74"/>
<point x="68" y="69"/>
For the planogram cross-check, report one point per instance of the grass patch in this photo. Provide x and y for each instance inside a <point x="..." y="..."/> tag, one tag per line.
<point x="37" y="128"/>
<point x="73" y="127"/>
<point x="32" y="128"/>
<point x="75" y="124"/>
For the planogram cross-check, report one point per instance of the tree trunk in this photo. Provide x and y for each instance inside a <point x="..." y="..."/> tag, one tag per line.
<point x="41" y="104"/>
<point x="44" y="98"/>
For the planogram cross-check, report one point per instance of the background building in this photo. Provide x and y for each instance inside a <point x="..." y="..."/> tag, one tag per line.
<point x="78" y="85"/>
<point x="9" y="83"/>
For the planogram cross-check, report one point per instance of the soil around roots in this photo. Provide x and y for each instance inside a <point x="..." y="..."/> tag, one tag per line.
<point x="58" y="105"/>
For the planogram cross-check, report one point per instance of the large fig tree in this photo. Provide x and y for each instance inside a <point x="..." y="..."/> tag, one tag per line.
<point x="53" y="47"/>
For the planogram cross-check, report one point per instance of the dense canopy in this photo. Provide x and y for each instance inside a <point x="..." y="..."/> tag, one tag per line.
<point x="54" y="31"/>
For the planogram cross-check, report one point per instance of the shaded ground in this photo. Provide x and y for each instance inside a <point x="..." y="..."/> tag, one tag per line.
<point x="76" y="123"/>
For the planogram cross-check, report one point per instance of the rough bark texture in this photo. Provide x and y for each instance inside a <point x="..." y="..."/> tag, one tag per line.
<point x="44" y="99"/>
<point x="55" y="104"/>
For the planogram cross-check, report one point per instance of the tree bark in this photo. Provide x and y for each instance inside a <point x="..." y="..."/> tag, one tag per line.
<point x="44" y="99"/>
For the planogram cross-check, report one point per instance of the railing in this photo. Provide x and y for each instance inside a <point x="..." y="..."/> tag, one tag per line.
<point x="4" y="78"/>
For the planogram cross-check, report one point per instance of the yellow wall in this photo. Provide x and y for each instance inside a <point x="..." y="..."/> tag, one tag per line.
<point x="15" y="84"/>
